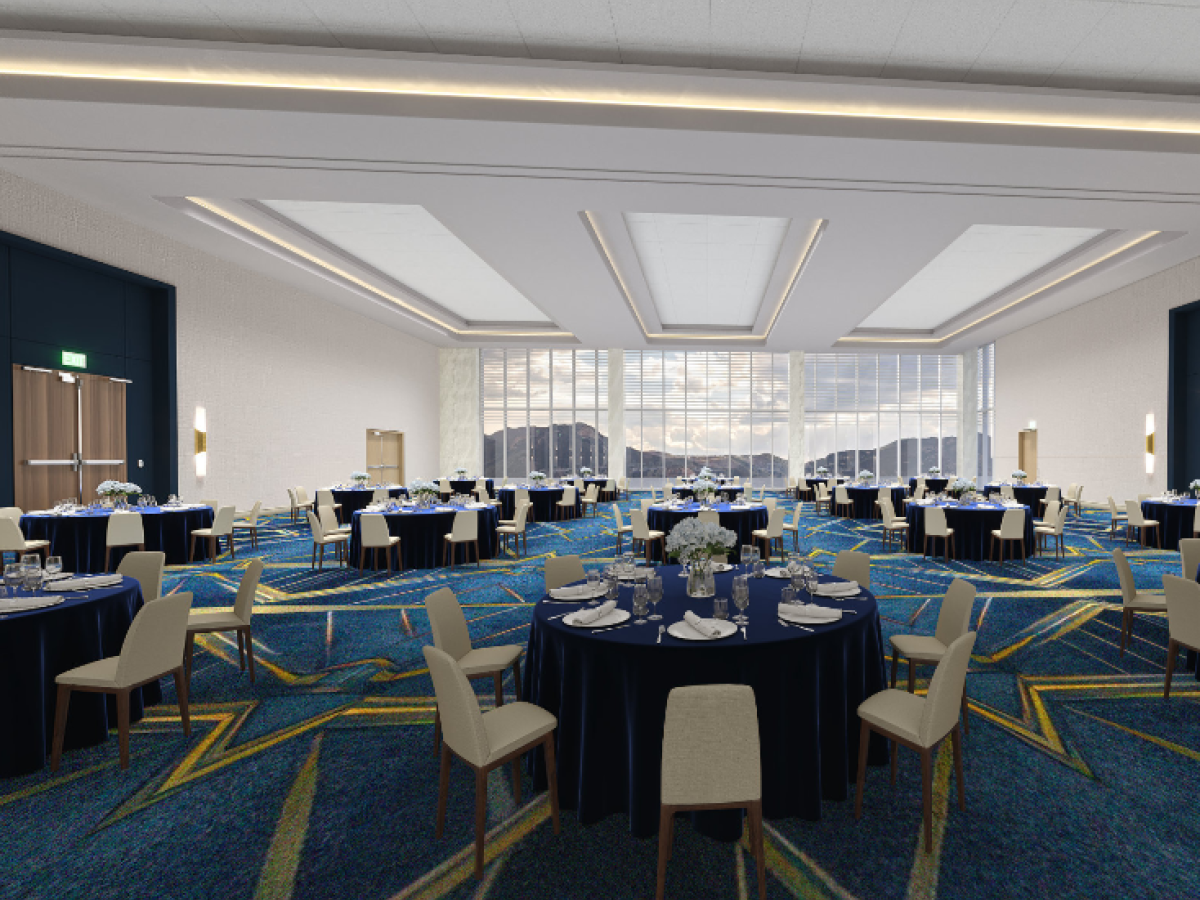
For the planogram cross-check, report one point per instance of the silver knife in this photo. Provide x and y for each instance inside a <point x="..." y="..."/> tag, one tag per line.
<point x="745" y="637"/>
<point x="788" y="624"/>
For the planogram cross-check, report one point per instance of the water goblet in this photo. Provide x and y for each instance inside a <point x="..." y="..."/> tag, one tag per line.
<point x="53" y="566"/>
<point x="654" y="588"/>
<point x="614" y="588"/>
<point x="788" y="594"/>
<point x="593" y="586"/>
<point x="33" y="578"/>
<point x="747" y="550"/>
<point x="741" y="599"/>
<point x="641" y="598"/>
<point x="13" y="575"/>
<point x="720" y="608"/>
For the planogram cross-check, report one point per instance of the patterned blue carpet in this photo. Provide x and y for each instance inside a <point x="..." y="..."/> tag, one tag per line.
<point x="320" y="780"/>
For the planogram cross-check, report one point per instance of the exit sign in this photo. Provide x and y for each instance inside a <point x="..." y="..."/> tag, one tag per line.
<point x="75" y="360"/>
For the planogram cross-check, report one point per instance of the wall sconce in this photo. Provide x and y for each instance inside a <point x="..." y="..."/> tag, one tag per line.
<point x="1032" y="425"/>
<point x="1149" y="443"/>
<point x="201" y="435"/>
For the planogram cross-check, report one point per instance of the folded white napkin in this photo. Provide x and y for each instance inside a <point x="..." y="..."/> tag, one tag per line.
<point x="87" y="583"/>
<point x="799" y="612"/>
<point x="446" y="509"/>
<point x="572" y="592"/>
<point x="705" y="627"/>
<point x="837" y="589"/>
<point x="588" y="616"/>
<point x="20" y="604"/>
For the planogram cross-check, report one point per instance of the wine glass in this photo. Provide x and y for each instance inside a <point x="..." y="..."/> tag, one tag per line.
<point x="641" y="597"/>
<point x="53" y="567"/>
<point x="593" y="586"/>
<point x="654" y="587"/>
<point x="747" y="549"/>
<point x="32" y="577"/>
<point x="13" y="575"/>
<point x="741" y="599"/>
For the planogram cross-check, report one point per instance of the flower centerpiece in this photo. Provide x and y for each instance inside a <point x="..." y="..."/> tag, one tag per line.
<point x="865" y="476"/>
<point x="935" y="471"/>
<point x="696" y="543"/>
<point x="1019" y="476"/>
<point x="822" y="472"/>
<point x="585" y="471"/>
<point x="359" y="478"/>
<point x="1194" y="487"/>
<point x="705" y="489"/>
<point x="460" y="473"/>
<point x="537" y="477"/>
<point x="424" y="492"/>
<point x="118" y="491"/>
<point x="960" y="488"/>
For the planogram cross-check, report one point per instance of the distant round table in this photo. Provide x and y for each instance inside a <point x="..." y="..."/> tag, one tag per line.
<point x="467" y="485"/>
<point x="973" y="525"/>
<point x="37" y="646"/>
<point x="1176" y="520"/>
<point x="609" y="692"/>
<point x="811" y="482"/>
<point x="1030" y="495"/>
<point x="80" y="538"/>
<point x="354" y="499"/>
<point x="864" y="496"/>
<point x="742" y="520"/>
<point x="544" y="500"/>
<point x="932" y="485"/>
<point x="685" y="490"/>
<point x="421" y="533"/>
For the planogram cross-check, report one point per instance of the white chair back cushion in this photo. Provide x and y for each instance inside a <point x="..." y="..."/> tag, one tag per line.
<point x="466" y="526"/>
<point x="325" y="497"/>
<point x="11" y="512"/>
<point x="886" y="509"/>
<point x="223" y="522"/>
<point x="853" y="565"/>
<point x="1134" y="510"/>
<point x="1183" y="609"/>
<point x="769" y="503"/>
<point x="146" y="566"/>
<point x="954" y="618"/>
<point x="252" y="516"/>
<point x="155" y="640"/>
<point x="935" y="521"/>
<point x="379" y="495"/>
<point x="560" y="570"/>
<point x="1012" y="526"/>
<point x="522" y="496"/>
<point x="447" y="623"/>
<point x="329" y="522"/>
<point x="710" y="750"/>
<point x="125" y="528"/>
<point x="711" y="516"/>
<point x="1051" y="514"/>
<point x="641" y="530"/>
<point x="519" y="518"/>
<point x="1189" y="554"/>
<point x="302" y="495"/>
<point x="568" y="497"/>
<point x="11" y="536"/>
<point x="775" y="523"/>
<point x="314" y="524"/>
<point x="841" y="495"/>
<point x="617" y="516"/>
<point x="374" y="530"/>
<point x="944" y="700"/>
<point x="243" y="603"/>
<point x="1054" y="493"/>
<point x="462" y="722"/>
<point x="1124" y="576"/>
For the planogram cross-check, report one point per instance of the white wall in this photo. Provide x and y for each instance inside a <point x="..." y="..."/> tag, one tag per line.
<point x="1088" y="377"/>
<point x="290" y="382"/>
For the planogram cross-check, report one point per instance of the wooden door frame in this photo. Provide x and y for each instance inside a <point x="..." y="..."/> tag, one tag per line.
<point x="378" y="432"/>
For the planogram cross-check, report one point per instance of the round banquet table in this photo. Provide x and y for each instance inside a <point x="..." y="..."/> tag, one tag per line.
<point x="811" y="482"/>
<point x="609" y="692"/>
<point x="740" y="520"/>
<point x="79" y="538"/>
<point x="354" y="499"/>
<point x="932" y="485"/>
<point x="38" y="645"/>
<point x="973" y="525"/>
<point x="421" y="532"/>
<point x="685" y="490"/>
<point x="544" y="502"/>
<point x="864" y="496"/>
<point x="467" y="485"/>
<point x="1030" y="495"/>
<point x="1175" y="520"/>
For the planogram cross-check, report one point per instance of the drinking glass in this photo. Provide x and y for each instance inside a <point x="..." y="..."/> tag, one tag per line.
<point x="13" y="575"/>
<point x="614" y="588"/>
<point x="720" y="608"/>
<point x="593" y="586"/>
<point x="741" y="599"/>
<point x="33" y="578"/>
<point x="788" y="594"/>
<point x="640" y="599"/>
<point x="747" y="549"/>
<point x="53" y="566"/>
<point x="654" y="588"/>
<point x="811" y="580"/>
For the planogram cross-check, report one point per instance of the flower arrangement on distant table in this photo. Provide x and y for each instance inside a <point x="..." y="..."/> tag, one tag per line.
<point x="585" y="471"/>
<point x="359" y="478"/>
<point x="1019" y="476"/>
<point x="537" y="477"/>
<point x="423" y="491"/>
<point x="115" y="490"/>
<point x="460" y="473"/>
<point x="822" y="471"/>
<point x="960" y="487"/>
<point x="935" y="471"/>
<point x="865" y="476"/>
<point x="705" y="489"/>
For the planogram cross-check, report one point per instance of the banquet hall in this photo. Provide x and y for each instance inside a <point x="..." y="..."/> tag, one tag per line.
<point x="599" y="449"/>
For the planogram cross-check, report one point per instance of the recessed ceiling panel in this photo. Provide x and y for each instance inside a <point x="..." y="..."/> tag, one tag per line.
<point x="706" y="270"/>
<point x="409" y="244"/>
<point x="983" y="260"/>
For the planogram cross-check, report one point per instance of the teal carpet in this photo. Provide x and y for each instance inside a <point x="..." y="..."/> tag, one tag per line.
<point x="320" y="780"/>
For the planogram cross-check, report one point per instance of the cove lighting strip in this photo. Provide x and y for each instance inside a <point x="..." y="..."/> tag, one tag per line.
<point x="342" y="273"/>
<point x="809" y="246"/>
<point x="1007" y="306"/>
<point x="157" y="73"/>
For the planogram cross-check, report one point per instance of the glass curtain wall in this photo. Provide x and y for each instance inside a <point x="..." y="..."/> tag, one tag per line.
<point x="544" y="410"/>
<point x="725" y="410"/>
<point x="892" y="415"/>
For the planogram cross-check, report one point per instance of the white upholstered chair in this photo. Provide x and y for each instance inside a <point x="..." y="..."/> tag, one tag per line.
<point x="238" y="620"/>
<point x="11" y="512"/>
<point x="937" y="529"/>
<point x="768" y="502"/>
<point x="146" y="568"/>
<point x="1074" y="499"/>
<point x="892" y="526"/>
<point x="709" y="515"/>
<point x="375" y="536"/>
<point x="623" y="486"/>
<point x="222" y="527"/>
<point x="1189" y="557"/>
<point x="842" y="504"/>
<point x="793" y="527"/>
<point x="380" y="495"/>
<point x="1053" y="495"/>
<point x="610" y="491"/>
<point x="302" y="500"/>
<point x="444" y="487"/>
<point x="125" y="530"/>
<point x="954" y="620"/>
<point x="1183" y="621"/>
<point x="1011" y="530"/>
<point x="1007" y="493"/>
<point x="591" y="498"/>
<point x="296" y="506"/>
<point x="1052" y="529"/>
<point x="771" y="535"/>
<point x="329" y="521"/>
<point x="250" y="524"/>
<point x="515" y="530"/>
<point x="642" y="534"/>
<point x="12" y="540"/>
<point x="1133" y="600"/>
<point x="522" y="496"/>
<point x="1116" y="517"/>
<point x="823" y="498"/>
<point x="853" y="565"/>
<point x="325" y="498"/>
<point x="1135" y="520"/>
<point x="711" y="759"/>
<point x="465" y="530"/>
<point x="560" y="570"/>
<point x="339" y="540"/>
<point x="621" y="528"/>
<point x="153" y="647"/>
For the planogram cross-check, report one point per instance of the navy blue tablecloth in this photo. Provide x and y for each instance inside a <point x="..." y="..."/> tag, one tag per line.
<point x="39" y="645"/>
<point x="544" y="501"/>
<point x="609" y="692"/>
<point x="685" y="490"/>
<point x="932" y="485"/>
<point x="1175" y="521"/>
<point x="421" y="532"/>
<point x="79" y="540"/>
<point x="467" y="485"/>
<point x="973" y="527"/>
<point x="864" y="497"/>
<point x="740" y="521"/>
<point x="354" y="499"/>
<point x="1030" y="495"/>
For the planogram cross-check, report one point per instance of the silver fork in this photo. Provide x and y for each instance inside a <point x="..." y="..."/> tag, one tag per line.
<point x="787" y="624"/>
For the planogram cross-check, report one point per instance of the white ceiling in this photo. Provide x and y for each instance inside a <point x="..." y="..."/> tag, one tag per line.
<point x="408" y="244"/>
<point x="981" y="262"/>
<point x="706" y="270"/>
<point x="1122" y="45"/>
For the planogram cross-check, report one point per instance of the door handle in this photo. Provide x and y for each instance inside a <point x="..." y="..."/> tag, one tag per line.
<point x="103" y="462"/>
<point x="49" y="462"/>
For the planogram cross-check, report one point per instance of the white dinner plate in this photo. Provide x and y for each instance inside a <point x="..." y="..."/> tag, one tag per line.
<point x="24" y="604"/>
<point x="576" y="595"/>
<point x="803" y="618"/>
<point x="718" y="568"/>
<point x="686" y="632"/>
<point x="836" y="595"/>
<point x="616" y="617"/>
<point x="778" y="572"/>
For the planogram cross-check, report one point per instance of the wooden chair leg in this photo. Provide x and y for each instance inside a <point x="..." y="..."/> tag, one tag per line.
<point x="517" y="677"/>
<point x="191" y="549"/>
<point x="60" y="725"/>
<point x="108" y="557"/>
<point x="123" y="726"/>
<point x="181" y="693"/>
<point x="895" y="657"/>
<point x="757" y="846"/>
<point x="1126" y="628"/>
<point x="443" y="790"/>
<point x="1172" y="652"/>
<point x="250" y="652"/>
<point x="927" y="796"/>
<point x="965" y="720"/>
<point x="189" y="652"/>
<point x="912" y="681"/>
<point x="437" y="728"/>
<point x="480" y="819"/>
<point x="362" y="557"/>
<point x="552" y="781"/>
<point x="956" y="742"/>
<point x="664" y="849"/>
<point x="864" y="738"/>
<point x="241" y="652"/>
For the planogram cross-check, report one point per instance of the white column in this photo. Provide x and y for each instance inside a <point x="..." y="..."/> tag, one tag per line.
<point x="616" y="413"/>
<point x="796" y="414"/>
<point x="968" y="402"/>
<point x="461" y="429"/>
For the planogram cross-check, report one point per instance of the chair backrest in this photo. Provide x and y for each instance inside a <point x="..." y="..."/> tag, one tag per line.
<point x="444" y="486"/>
<point x="223" y="522"/>
<point x="1124" y="576"/>
<point x="1077" y="494"/>
<point x="379" y="495"/>
<point x="519" y="517"/>
<point x="1071" y="491"/>
<point x="314" y="524"/>
<point x="255" y="511"/>
<point x="447" y="623"/>
<point x="578" y="484"/>
<point x="146" y="567"/>
<point x="125" y="528"/>
<point x="710" y="515"/>
<point x="610" y="487"/>
<point x="637" y="518"/>
<point x="155" y="640"/>
<point x="623" y="482"/>
<point x="645" y="504"/>
<point x="1142" y="498"/>
<point x="954" y="618"/>
<point x="919" y="493"/>
<point x="292" y="501"/>
<point x="1054" y="494"/>
<point x="775" y="523"/>
<point x="374" y="530"/>
<point x="944" y="700"/>
<point x="1012" y="526"/>
<point x="458" y="707"/>
<point x="886" y="509"/>
<point x="769" y="503"/>
<point x="243" y="603"/>
<point x="211" y="504"/>
<point x="1051" y="514"/>
<point x="11" y="512"/>
<point x="737" y="479"/>
<point x="522" y="496"/>
<point x="935" y="521"/>
<point x="11" y="536"/>
<point x="325" y="497"/>
<point x="830" y="482"/>
<point x="822" y="491"/>
<point x="301" y="495"/>
<point x="710" y="749"/>
<point x="1183" y="609"/>
<point x="466" y="526"/>
<point x="1112" y="507"/>
<point x="568" y="497"/>
<point x="328" y="517"/>
<point x="1189" y="553"/>
<point x="1061" y="522"/>
<point x="592" y="493"/>
<point x="616" y="510"/>
<point x="481" y="482"/>
<point x="853" y="565"/>
<point x="841" y="495"/>
<point x="560" y="570"/>
<point x="1006" y="492"/>
<point x="1134" y="510"/>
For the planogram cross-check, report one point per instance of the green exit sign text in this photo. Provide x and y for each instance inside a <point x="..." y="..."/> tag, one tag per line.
<point x="75" y="360"/>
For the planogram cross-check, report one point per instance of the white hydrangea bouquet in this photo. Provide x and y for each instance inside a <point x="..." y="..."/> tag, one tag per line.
<point x="705" y="489"/>
<point x="865" y="476"/>
<point x="935" y="470"/>
<point x="537" y="477"/>
<point x="423" y="491"/>
<point x="359" y="478"/>
<point x="1194" y="487"/>
<point x="1019" y="475"/>
<point x="460" y="473"/>
<point x="960" y="487"/>
<point x="585" y="471"/>
<point x="696" y="543"/>
<point x="117" y="489"/>
<point x="822" y="472"/>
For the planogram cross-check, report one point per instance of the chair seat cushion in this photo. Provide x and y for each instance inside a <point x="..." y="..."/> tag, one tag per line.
<point x="392" y="542"/>
<point x="101" y="673"/>
<point x="896" y="711"/>
<point x="34" y="545"/>
<point x="514" y="725"/>
<point x="509" y="529"/>
<point x="207" y="532"/>
<point x="482" y="660"/>
<point x="919" y="646"/>
<point x="1147" y="601"/>
<point x="947" y="533"/>
<point x="654" y="535"/>
<point x="1045" y="529"/>
<point x="335" y="538"/>
<point x="213" y="621"/>
<point x="896" y="525"/>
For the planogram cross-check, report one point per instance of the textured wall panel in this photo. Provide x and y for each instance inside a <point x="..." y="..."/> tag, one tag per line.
<point x="461" y="428"/>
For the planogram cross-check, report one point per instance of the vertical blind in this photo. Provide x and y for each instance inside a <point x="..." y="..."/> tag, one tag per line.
<point x="544" y="410"/>
<point x="726" y="410"/>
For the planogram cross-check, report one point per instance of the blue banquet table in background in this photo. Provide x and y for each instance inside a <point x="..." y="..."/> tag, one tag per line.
<point x="421" y="532"/>
<point x="354" y="499"/>
<point x="1176" y="520"/>
<point x="934" y="485"/>
<point x="544" y="501"/>
<point x="609" y="692"/>
<point x="466" y="485"/>
<point x="685" y="490"/>
<point x="79" y="538"/>
<point x="973" y="525"/>
<point x="37" y="646"/>
<point x="742" y="521"/>
<point x="1030" y="495"/>
<point x="864" y="496"/>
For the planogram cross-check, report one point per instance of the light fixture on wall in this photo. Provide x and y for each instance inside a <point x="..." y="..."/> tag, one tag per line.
<point x="1149" y="443"/>
<point x="201" y="435"/>
<point x="1032" y="425"/>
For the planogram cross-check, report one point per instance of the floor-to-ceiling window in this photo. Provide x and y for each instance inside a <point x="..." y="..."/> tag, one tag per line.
<point x="544" y="410"/>
<point x="725" y="410"/>
<point x="986" y="408"/>
<point x="892" y="415"/>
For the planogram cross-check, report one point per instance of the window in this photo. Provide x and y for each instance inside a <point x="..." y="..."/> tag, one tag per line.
<point x="544" y="410"/>
<point x="895" y="416"/>
<point x="724" y="410"/>
<point x="986" y="408"/>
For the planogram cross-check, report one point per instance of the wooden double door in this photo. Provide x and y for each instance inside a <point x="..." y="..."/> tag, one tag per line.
<point x="68" y="435"/>
<point x="385" y="456"/>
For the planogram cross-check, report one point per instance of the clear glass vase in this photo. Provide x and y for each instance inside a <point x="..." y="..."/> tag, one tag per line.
<point x="700" y="579"/>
